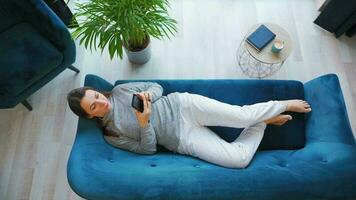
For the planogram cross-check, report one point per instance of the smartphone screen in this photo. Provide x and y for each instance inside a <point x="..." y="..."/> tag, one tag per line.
<point x="137" y="103"/>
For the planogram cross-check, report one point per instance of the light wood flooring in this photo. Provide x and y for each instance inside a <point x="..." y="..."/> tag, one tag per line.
<point x="35" y="146"/>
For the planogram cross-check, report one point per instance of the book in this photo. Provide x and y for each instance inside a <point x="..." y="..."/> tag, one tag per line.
<point x="260" y="37"/>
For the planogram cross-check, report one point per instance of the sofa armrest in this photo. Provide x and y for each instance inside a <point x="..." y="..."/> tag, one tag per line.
<point x="97" y="83"/>
<point x="328" y="121"/>
<point x="37" y="13"/>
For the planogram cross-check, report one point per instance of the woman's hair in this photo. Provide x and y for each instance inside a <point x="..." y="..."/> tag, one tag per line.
<point x="74" y="98"/>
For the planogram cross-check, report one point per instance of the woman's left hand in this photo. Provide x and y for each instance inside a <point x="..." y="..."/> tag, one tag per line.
<point x="144" y="117"/>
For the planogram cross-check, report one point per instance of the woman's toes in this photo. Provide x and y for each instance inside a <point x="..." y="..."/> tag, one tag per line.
<point x="305" y="103"/>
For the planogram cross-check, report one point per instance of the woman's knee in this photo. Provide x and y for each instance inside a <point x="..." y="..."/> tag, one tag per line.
<point x="236" y="160"/>
<point x="236" y="164"/>
<point x="243" y="159"/>
<point x="240" y="163"/>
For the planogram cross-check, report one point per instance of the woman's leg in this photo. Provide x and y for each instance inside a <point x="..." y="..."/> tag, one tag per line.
<point x="203" y="143"/>
<point x="210" y="112"/>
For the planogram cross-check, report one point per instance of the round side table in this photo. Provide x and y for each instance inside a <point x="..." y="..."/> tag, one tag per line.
<point x="264" y="63"/>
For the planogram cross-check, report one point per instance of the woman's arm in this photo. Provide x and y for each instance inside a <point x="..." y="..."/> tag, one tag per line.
<point x="146" y="145"/>
<point x="155" y="89"/>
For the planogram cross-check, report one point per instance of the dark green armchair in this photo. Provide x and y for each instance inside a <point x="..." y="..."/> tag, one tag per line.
<point x="35" y="46"/>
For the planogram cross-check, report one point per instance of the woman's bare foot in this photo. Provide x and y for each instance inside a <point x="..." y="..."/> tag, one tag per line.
<point x="278" y="120"/>
<point x="297" y="105"/>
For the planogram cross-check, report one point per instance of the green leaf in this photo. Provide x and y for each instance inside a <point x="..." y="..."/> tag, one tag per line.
<point x="119" y="47"/>
<point x="112" y="46"/>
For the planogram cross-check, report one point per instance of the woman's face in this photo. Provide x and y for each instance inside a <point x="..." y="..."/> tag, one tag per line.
<point x="95" y="104"/>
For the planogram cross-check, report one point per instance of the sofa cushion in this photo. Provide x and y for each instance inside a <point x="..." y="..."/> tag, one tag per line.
<point x="21" y="60"/>
<point x="245" y="92"/>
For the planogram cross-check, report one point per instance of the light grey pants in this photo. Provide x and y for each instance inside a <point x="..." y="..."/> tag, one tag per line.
<point x="197" y="140"/>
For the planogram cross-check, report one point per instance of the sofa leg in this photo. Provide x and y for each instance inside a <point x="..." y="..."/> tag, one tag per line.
<point x="27" y="105"/>
<point x="73" y="68"/>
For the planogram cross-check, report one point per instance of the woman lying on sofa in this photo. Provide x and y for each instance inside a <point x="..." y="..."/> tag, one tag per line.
<point x="178" y="121"/>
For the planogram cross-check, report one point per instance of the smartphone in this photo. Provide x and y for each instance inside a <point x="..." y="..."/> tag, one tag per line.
<point x="137" y="103"/>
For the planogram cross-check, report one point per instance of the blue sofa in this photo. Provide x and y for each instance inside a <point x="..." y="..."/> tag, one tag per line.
<point x="311" y="157"/>
<point x="35" y="46"/>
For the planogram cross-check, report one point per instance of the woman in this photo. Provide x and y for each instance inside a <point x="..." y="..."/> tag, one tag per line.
<point x="178" y="121"/>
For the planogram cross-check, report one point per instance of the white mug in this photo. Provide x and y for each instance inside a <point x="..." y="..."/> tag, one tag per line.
<point x="277" y="46"/>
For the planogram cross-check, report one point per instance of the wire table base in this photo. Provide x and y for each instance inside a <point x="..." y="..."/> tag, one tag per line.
<point x="253" y="67"/>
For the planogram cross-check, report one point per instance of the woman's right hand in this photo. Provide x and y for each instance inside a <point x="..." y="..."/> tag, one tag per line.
<point x="144" y="117"/>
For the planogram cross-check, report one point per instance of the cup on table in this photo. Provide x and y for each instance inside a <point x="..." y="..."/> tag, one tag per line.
<point x="277" y="46"/>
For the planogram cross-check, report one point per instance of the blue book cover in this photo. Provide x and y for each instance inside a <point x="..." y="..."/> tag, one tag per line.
<point x="260" y="37"/>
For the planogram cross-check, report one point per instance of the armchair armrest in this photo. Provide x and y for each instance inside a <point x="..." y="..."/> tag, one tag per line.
<point x="328" y="121"/>
<point x="37" y="13"/>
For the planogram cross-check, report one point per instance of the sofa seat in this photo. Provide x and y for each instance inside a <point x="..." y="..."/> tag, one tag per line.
<point x="323" y="168"/>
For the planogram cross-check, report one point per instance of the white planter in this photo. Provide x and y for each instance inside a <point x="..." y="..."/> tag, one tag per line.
<point x="139" y="57"/>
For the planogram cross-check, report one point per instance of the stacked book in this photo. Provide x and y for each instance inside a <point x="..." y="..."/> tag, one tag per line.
<point x="260" y="37"/>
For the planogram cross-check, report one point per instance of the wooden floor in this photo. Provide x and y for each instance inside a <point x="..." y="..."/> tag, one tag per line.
<point x="35" y="146"/>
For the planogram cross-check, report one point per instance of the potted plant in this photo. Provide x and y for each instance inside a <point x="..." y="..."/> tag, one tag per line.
<point x="123" y="23"/>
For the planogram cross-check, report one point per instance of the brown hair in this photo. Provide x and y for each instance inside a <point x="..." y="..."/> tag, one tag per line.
<point x="74" y="98"/>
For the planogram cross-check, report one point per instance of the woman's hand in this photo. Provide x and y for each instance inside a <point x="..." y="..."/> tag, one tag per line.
<point x="144" y="117"/>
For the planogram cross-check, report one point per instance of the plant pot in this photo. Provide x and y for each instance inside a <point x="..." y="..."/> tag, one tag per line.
<point x="139" y="57"/>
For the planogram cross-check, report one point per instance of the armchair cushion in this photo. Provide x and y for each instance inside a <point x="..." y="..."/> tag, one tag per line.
<point x="45" y="21"/>
<point x="8" y="17"/>
<point x="25" y="58"/>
